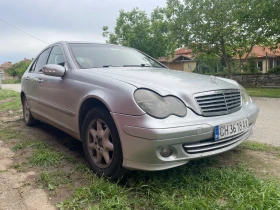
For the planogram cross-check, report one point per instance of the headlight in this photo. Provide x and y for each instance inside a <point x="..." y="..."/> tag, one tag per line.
<point x="158" y="106"/>
<point x="246" y="99"/>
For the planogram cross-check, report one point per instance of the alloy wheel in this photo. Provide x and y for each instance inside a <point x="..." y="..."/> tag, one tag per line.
<point x="99" y="141"/>
<point x="26" y="110"/>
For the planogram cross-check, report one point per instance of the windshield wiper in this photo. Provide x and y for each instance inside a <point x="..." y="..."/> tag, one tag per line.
<point x="106" y="66"/>
<point x="141" y="65"/>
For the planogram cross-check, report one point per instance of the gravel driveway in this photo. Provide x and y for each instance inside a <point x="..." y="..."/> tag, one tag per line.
<point x="267" y="129"/>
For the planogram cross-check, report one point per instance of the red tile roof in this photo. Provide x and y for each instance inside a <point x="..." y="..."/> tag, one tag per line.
<point x="6" y="65"/>
<point x="185" y="52"/>
<point x="171" y="59"/>
<point x="259" y="51"/>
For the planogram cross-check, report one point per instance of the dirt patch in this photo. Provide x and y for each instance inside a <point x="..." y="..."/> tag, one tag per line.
<point x="265" y="165"/>
<point x="16" y="191"/>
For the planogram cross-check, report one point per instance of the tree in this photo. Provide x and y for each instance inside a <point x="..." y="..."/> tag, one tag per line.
<point x="225" y="28"/>
<point x="18" y="69"/>
<point x="148" y="34"/>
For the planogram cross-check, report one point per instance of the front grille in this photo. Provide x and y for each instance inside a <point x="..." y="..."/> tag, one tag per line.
<point x="211" y="145"/>
<point x="219" y="102"/>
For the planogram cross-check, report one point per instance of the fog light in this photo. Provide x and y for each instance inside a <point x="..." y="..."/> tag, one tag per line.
<point x="165" y="152"/>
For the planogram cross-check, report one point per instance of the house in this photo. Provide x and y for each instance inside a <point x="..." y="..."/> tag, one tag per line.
<point x="265" y="58"/>
<point x="5" y="66"/>
<point x="182" y="60"/>
<point x="9" y="64"/>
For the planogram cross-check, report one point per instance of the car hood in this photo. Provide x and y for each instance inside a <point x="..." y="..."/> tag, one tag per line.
<point x="167" y="82"/>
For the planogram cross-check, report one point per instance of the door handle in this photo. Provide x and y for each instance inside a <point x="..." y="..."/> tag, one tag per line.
<point x="40" y="80"/>
<point x="26" y="78"/>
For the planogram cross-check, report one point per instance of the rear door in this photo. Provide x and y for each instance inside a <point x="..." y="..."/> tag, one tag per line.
<point x="32" y="81"/>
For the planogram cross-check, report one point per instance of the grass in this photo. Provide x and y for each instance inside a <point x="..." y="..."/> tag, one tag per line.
<point x="54" y="179"/>
<point x="30" y="144"/>
<point x="264" y="92"/>
<point x="8" y="133"/>
<point x="255" y="146"/>
<point x="11" y="81"/>
<point x="45" y="157"/>
<point x="9" y="100"/>
<point x="5" y="94"/>
<point x="14" y="104"/>
<point x="201" y="184"/>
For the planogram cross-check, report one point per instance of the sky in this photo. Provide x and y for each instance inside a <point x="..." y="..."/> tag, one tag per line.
<point x="56" y="20"/>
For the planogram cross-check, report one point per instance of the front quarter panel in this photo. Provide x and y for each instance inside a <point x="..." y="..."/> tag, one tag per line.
<point x="116" y="95"/>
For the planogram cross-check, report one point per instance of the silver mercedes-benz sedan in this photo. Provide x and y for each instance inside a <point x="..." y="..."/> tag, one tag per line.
<point x="132" y="112"/>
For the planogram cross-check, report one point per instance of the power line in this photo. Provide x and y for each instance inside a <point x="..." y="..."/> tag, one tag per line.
<point x="23" y="31"/>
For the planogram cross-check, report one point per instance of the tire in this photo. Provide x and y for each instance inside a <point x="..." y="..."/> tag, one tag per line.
<point x="101" y="144"/>
<point x="27" y="115"/>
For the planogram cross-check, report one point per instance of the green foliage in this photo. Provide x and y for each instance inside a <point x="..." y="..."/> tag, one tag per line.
<point x="209" y="64"/>
<point x="228" y="29"/>
<point x="135" y="29"/>
<point x="276" y="69"/>
<point x="18" y="69"/>
<point x="250" y="66"/>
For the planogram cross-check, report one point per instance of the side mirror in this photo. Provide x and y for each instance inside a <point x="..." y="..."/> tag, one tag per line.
<point x="54" y="70"/>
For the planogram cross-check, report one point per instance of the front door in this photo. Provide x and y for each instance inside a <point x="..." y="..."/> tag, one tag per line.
<point x="54" y="93"/>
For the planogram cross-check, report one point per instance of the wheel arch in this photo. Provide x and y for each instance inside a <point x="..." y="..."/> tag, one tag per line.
<point x="22" y="94"/>
<point x="88" y="104"/>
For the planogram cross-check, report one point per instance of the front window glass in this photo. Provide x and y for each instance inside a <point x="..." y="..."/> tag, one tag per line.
<point x="41" y="61"/>
<point x="101" y="56"/>
<point x="56" y="56"/>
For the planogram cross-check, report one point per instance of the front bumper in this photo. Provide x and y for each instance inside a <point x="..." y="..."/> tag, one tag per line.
<point x="189" y="137"/>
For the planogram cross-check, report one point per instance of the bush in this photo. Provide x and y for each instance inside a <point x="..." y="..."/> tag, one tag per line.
<point x="18" y="69"/>
<point x="276" y="69"/>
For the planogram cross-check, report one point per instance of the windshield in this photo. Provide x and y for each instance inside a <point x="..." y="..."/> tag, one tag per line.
<point x="101" y="56"/>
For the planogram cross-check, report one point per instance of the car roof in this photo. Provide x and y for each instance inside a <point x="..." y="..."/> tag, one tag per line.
<point x="86" y="42"/>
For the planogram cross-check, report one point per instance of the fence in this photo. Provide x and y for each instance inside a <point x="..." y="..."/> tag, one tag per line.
<point x="256" y="80"/>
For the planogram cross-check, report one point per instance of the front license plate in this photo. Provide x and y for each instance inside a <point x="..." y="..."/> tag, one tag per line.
<point x="230" y="129"/>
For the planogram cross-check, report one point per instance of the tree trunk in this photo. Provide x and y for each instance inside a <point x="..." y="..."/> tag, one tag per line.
<point x="226" y="58"/>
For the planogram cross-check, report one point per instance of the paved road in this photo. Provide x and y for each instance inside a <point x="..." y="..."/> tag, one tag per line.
<point x="267" y="129"/>
<point x="15" y="87"/>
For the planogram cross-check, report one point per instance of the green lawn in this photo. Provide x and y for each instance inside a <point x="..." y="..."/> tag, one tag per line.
<point x="9" y="100"/>
<point x="264" y="92"/>
<point x="11" y="81"/>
